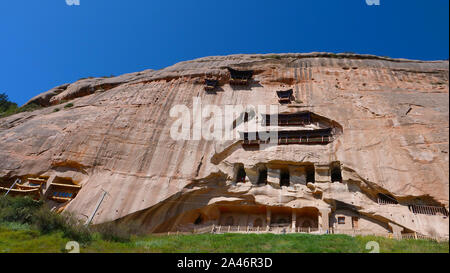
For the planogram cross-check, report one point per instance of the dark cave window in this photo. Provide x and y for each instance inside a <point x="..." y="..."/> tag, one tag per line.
<point x="229" y="221"/>
<point x="262" y="178"/>
<point x="336" y="175"/>
<point x="284" y="178"/>
<point x="199" y="220"/>
<point x="258" y="223"/>
<point x="310" y="174"/>
<point x="240" y="176"/>
<point x="341" y="220"/>
<point x="306" y="224"/>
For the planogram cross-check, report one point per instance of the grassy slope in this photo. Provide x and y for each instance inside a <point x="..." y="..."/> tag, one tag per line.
<point x="21" y="238"/>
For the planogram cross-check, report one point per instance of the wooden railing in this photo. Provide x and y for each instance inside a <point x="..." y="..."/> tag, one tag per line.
<point x="361" y="232"/>
<point x="291" y="140"/>
<point x="428" y="210"/>
<point x="386" y="201"/>
<point x="403" y="236"/>
<point x="285" y="230"/>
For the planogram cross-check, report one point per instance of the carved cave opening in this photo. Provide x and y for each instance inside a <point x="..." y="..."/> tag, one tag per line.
<point x="262" y="177"/>
<point x="284" y="177"/>
<point x="240" y="173"/>
<point x="310" y="174"/>
<point x="336" y="173"/>
<point x="199" y="220"/>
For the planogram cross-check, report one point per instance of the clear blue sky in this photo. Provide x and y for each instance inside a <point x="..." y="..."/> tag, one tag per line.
<point x="46" y="43"/>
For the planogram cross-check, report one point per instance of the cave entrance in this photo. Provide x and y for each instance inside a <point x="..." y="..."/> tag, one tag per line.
<point x="306" y="218"/>
<point x="258" y="223"/>
<point x="229" y="221"/>
<point x="211" y="84"/>
<point x="62" y="189"/>
<point x="199" y="220"/>
<point x="240" y="76"/>
<point x="336" y="174"/>
<point x="284" y="178"/>
<point x="310" y="174"/>
<point x="262" y="177"/>
<point x="240" y="173"/>
<point x="285" y="97"/>
<point x="306" y="224"/>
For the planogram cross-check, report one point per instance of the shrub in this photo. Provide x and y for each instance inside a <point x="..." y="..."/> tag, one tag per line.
<point x="29" y="107"/>
<point x="6" y="104"/>
<point x="20" y="210"/>
<point x="56" y="110"/>
<point x="8" y="108"/>
<point x="68" y="105"/>
<point x="24" y="210"/>
<point x="11" y="110"/>
<point x="15" y="110"/>
<point x="47" y="222"/>
<point x="118" y="232"/>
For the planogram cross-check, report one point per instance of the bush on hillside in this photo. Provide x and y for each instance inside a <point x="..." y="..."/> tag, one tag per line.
<point x="24" y="210"/>
<point x="118" y="232"/>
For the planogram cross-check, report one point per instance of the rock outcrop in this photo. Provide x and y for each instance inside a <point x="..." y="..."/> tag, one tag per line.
<point x="390" y="139"/>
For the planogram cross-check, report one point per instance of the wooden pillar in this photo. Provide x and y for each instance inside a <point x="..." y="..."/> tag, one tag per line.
<point x="294" y="219"/>
<point x="268" y="218"/>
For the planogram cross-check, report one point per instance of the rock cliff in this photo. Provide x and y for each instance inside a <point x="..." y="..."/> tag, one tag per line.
<point x="390" y="119"/>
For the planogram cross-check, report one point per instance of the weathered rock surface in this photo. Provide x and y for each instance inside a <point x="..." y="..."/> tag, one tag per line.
<point x="394" y="115"/>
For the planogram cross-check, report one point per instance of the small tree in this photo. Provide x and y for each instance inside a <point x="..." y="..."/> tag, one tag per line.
<point x="5" y="104"/>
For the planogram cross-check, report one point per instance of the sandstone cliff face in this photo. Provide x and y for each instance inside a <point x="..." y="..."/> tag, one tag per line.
<point x="393" y="116"/>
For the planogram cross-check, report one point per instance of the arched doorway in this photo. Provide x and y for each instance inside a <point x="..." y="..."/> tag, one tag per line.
<point x="306" y="224"/>
<point x="199" y="220"/>
<point x="258" y="223"/>
<point x="307" y="217"/>
<point x="229" y="221"/>
<point x="240" y="173"/>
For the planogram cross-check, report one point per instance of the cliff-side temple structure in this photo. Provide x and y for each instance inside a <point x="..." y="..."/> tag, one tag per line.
<point x="240" y="77"/>
<point x="358" y="145"/>
<point x="285" y="96"/>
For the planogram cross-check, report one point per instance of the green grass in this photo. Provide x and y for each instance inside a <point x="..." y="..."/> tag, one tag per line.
<point x="27" y="240"/>
<point x="30" y="241"/>
<point x="29" y="226"/>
